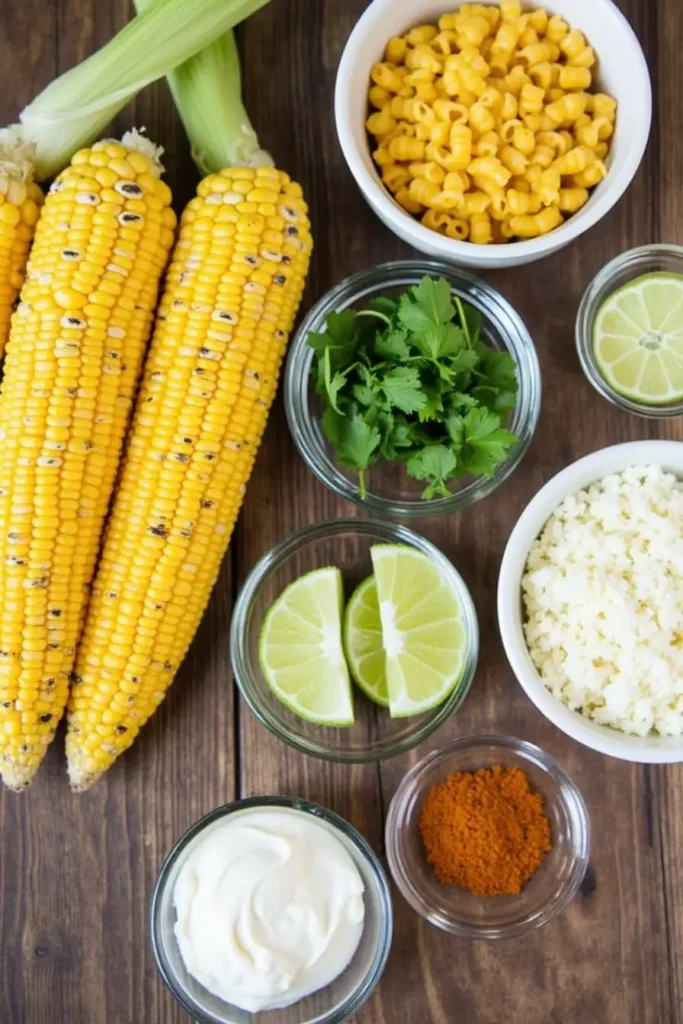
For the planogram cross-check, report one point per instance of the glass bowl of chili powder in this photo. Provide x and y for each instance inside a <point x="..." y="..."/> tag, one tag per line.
<point x="488" y="838"/>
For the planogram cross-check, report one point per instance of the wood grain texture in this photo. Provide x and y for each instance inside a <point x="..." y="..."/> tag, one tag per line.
<point x="76" y="872"/>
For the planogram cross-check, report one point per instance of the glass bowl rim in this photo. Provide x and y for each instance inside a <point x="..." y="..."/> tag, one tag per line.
<point x="392" y="533"/>
<point x="337" y="823"/>
<point x="570" y="795"/>
<point x="585" y="317"/>
<point x="301" y="422"/>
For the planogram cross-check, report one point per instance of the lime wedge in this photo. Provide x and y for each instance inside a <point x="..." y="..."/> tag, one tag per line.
<point x="301" y="651"/>
<point x="422" y="630"/>
<point x="638" y="339"/>
<point x="363" y="642"/>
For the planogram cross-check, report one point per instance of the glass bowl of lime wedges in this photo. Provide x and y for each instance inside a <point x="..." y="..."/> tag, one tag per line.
<point x="412" y="389"/>
<point x="629" y="331"/>
<point x="353" y="640"/>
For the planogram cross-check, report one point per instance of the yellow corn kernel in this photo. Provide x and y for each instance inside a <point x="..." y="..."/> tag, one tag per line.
<point x="71" y="373"/>
<point x="20" y="201"/>
<point x="194" y="442"/>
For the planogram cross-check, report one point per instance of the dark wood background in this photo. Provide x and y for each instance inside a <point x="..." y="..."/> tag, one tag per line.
<point x="76" y="872"/>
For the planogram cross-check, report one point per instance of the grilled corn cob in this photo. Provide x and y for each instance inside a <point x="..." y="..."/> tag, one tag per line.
<point x="233" y="289"/>
<point x="73" y="359"/>
<point x="20" y="202"/>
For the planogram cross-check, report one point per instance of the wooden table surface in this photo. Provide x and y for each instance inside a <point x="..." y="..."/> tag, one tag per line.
<point x="76" y="872"/>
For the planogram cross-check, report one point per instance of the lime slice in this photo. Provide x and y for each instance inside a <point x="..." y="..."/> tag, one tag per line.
<point x="363" y="642"/>
<point x="301" y="651"/>
<point x="638" y="339"/>
<point x="422" y="629"/>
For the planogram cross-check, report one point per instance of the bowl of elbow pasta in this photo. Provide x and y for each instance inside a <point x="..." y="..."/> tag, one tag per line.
<point x="492" y="134"/>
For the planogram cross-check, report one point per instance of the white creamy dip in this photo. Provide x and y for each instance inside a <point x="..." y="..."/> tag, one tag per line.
<point x="269" y="908"/>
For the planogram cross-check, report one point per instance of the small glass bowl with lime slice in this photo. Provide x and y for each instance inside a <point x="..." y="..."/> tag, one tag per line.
<point x="629" y="331"/>
<point x="306" y="640"/>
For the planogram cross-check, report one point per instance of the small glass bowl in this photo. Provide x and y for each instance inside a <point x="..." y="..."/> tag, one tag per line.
<point x="454" y="908"/>
<point x="391" y="491"/>
<point x="345" y="543"/>
<point x="331" y="1005"/>
<point x="618" y="272"/>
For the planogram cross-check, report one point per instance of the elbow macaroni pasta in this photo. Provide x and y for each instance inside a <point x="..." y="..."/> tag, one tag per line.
<point x="484" y="126"/>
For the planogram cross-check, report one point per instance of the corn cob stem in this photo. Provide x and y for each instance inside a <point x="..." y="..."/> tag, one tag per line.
<point x="73" y="360"/>
<point x="76" y="107"/>
<point x="232" y="292"/>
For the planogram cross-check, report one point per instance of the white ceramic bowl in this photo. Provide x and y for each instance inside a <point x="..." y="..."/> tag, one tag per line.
<point x="648" y="749"/>
<point x="622" y="72"/>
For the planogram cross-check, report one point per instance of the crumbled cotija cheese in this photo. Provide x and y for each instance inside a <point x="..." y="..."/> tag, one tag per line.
<point x="603" y="596"/>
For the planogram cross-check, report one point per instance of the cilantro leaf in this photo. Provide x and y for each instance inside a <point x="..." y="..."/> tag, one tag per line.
<point x="498" y="367"/>
<point x="393" y="345"/>
<point x="435" y="464"/>
<point x="452" y="340"/>
<point x="455" y="426"/>
<point x="486" y="442"/>
<point x="340" y="331"/>
<point x="460" y="401"/>
<point x="493" y="399"/>
<point x="413" y="318"/>
<point x="383" y="305"/>
<point x="433" y="297"/>
<point x="433" y="406"/>
<point x="473" y="323"/>
<point x="364" y="395"/>
<point x="357" y="443"/>
<point x="332" y="423"/>
<point x="403" y="389"/>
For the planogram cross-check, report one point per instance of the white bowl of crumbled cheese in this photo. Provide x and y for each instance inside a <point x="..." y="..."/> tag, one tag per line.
<point x="590" y="601"/>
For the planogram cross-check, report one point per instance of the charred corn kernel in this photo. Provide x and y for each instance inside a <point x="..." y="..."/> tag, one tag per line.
<point x="68" y="387"/>
<point x="208" y="384"/>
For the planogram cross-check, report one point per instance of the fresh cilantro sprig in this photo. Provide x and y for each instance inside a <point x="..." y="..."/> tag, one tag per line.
<point x="411" y="380"/>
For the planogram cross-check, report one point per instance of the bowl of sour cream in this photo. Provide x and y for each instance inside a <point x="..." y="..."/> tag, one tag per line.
<point x="271" y="909"/>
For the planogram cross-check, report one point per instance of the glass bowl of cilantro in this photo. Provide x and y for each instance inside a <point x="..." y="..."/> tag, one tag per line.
<point x="412" y="389"/>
